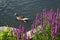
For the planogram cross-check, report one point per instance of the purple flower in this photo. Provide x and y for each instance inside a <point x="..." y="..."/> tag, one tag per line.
<point x="33" y="26"/>
<point x="37" y="16"/>
<point x="37" y="19"/>
<point x="58" y="24"/>
<point x="28" y="38"/>
<point x="44" y="13"/>
<point x="25" y="36"/>
<point x="31" y="32"/>
<point x="16" y="31"/>
<point x="53" y="31"/>
<point x="21" y="28"/>
<point x="51" y="15"/>
<point x="11" y="32"/>
<point x="18" y="38"/>
<point x="57" y="10"/>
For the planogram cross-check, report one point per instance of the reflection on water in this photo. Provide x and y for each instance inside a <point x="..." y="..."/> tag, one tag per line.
<point x="27" y="8"/>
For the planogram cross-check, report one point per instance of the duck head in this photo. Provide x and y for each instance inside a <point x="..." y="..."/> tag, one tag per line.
<point x="16" y="15"/>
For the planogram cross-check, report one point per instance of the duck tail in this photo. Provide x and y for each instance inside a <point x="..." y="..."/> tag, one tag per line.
<point x="25" y="21"/>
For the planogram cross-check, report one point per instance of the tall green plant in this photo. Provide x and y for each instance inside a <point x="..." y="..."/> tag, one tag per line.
<point x="5" y="35"/>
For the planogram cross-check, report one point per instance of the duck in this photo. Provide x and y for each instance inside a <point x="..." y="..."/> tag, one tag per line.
<point x="21" y="18"/>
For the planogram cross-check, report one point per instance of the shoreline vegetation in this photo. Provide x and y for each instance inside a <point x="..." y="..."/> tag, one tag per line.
<point x="46" y="27"/>
<point x="28" y="33"/>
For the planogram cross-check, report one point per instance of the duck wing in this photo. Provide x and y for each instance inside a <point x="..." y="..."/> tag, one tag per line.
<point x="25" y="19"/>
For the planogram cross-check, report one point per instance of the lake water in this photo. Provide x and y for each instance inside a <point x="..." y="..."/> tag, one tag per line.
<point x="27" y="8"/>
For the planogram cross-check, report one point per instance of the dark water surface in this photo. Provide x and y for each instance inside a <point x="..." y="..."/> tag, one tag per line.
<point x="27" y="8"/>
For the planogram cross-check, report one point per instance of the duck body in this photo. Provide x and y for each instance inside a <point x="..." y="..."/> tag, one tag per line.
<point x="21" y="18"/>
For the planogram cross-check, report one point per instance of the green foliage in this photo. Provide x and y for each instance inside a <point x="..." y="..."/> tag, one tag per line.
<point x="5" y="35"/>
<point x="57" y="37"/>
<point x="45" y="35"/>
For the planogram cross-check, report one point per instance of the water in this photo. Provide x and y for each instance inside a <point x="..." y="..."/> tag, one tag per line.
<point x="27" y="8"/>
